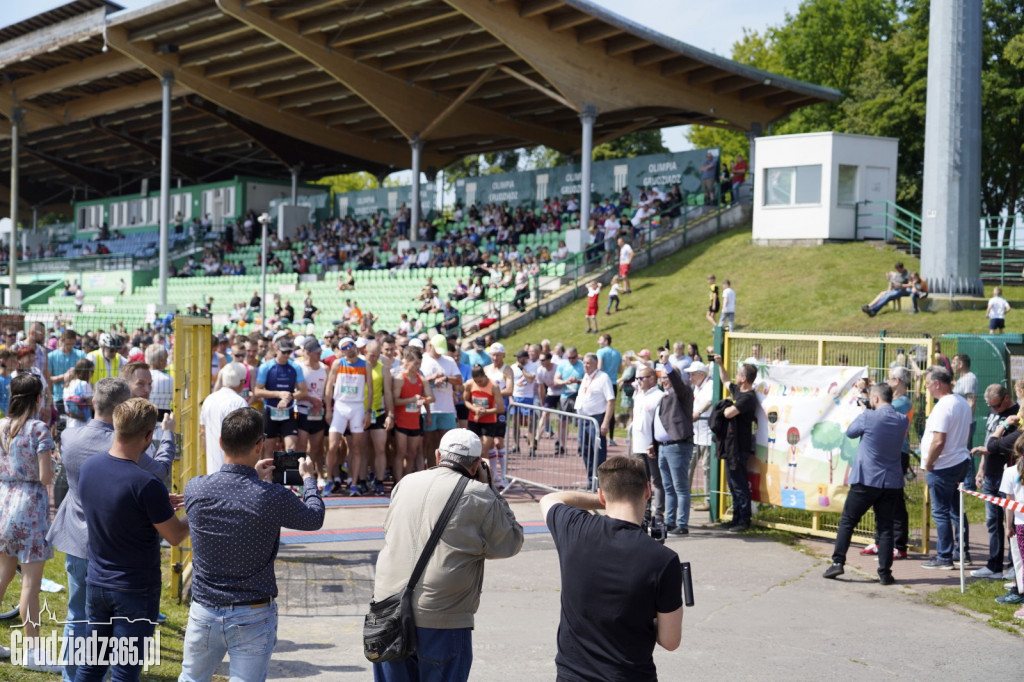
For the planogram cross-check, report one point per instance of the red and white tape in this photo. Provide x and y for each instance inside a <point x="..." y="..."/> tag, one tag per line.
<point x="998" y="501"/>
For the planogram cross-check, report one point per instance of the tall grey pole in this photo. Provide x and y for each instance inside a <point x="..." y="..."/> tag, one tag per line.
<point x="587" y="118"/>
<point x="13" y="300"/>
<point x="264" y="219"/>
<point x="415" y="210"/>
<point x="295" y="185"/>
<point x="165" y="182"/>
<point x="951" y="205"/>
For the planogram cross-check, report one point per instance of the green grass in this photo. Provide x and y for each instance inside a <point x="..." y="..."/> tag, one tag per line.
<point x="819" y="288"/>
<point x="172" y="633"/>
<point x="979" y="599"/>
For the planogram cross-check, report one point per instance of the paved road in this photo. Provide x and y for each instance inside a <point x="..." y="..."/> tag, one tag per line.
<point x="762" y="612"/>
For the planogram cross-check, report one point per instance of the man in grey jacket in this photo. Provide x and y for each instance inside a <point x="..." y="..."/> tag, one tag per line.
<point x="69" y="532"/>
<point x="448" y="595"/>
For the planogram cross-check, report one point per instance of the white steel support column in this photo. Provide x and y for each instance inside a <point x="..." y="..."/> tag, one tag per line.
<point x="13" y="299"/>
<point x="415" y="210"/>
<point x="167" y="81"/>
<point x="587" y="118"/>
<point x="295" y="185"/>
<point x="264" y="219"/>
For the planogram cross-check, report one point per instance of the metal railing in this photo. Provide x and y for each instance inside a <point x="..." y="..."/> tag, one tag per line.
<point x="550" y="449"/>
<point x="897" y="223"/>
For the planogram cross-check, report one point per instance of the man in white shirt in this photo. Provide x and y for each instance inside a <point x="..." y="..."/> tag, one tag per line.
<point x="442" y="373"/>
<point x="702" y="404"/>
<point x="727" y="317"/>
<point x="641" y="434"/>
<point x="625" y="259"/>
<point x="216" y="407"/>
<point x="162" y="393"/>
<point x="595" y="398"/>
<point x="946" y="459"/>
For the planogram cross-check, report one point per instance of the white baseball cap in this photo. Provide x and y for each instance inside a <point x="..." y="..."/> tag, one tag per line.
<point x="697" y="366"/>
<point x="460" y="445"/>
<point x="362" y="342"/>
<point x="496" y="347"/>
<point x="415" y="343"/>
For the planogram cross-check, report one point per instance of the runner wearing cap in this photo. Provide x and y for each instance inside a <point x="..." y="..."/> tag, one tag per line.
<point x="279" y="383"/>
<point x="311" y="412"/>
<point x="441" y="372"/>
<point x="348" y="386"/>
<point x="410" y="393"/>
<point x="501" y="375"/>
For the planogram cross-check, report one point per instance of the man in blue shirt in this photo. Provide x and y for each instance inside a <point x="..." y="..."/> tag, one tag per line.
<point x="876" y="479"/>
<point x="609" y="361"/>
<point x="127" y="510"/>
<point x="279" y="384"/>
<point x="61" y="362"/>
<point x="569" y="374"/>
<point x="236" y="515"/>
<point x="478" y="356"/>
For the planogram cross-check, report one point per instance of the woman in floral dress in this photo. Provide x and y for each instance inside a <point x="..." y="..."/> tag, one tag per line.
<point x="26" y="468"/>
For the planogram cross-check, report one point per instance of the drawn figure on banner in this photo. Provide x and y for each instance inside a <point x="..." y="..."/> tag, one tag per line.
<point x="833" y="392"/>
<point x="772" y="415"/>
<point x="793" y="438"/>
<point x="823" y="495"/>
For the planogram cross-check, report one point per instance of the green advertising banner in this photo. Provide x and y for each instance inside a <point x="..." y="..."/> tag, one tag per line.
<point x="608" y="178"/>
<point x="366" y="202"/>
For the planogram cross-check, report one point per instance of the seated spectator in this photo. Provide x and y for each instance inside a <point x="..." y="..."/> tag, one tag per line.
<point x="918" y="290"/>
<point x="460" y="291"/>
<point x="347" y="281"/>
<point x="899" y="286"/>
<point x="452" y="319"/>
<point x="562" y="253"/>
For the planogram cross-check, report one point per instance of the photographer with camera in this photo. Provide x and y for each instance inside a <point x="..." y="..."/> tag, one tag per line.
<point x="447" y="596"/>
<point x="621" y="590"/>
<point x="236" y="515"/>
<point x="876" y="479"/>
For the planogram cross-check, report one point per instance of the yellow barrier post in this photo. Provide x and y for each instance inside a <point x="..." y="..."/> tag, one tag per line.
<point x="192" y="337"/>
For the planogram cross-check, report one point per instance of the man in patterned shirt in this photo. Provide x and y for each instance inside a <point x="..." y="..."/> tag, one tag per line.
<point x="236" y="515"/>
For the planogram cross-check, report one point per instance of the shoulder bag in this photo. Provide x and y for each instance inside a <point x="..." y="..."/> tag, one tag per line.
<point x="389" y="629"/>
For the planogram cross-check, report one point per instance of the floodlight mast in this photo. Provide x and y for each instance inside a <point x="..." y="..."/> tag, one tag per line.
<point x="264" y="221"/>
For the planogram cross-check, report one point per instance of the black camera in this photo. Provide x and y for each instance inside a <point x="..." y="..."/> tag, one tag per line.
<point x="286" y="467"/>
<point x="864" y="402"/>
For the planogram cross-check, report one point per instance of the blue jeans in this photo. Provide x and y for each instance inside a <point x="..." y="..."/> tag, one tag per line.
<point x="588" y="436"/>
<point x="441" y="656"/>
<point x="890" y="295"/>
<point x="674" y="462"/>
<point x="247" y="635"/>
<point x="994" y="525"/>
<point x="101" y="606"/>
<point x="76" y="569"/>
<point x="945" y="508"/>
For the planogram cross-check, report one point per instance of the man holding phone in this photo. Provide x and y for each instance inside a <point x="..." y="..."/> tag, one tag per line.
<point x="236" y="515"/>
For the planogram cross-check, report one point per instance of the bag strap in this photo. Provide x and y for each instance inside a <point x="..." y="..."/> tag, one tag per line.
<point x="435" y="534"/>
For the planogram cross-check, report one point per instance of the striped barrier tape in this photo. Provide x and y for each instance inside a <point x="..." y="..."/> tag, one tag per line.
<point x="998" y="501"/>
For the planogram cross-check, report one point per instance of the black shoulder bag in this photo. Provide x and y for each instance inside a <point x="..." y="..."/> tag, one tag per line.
<point x="389" y="629"/>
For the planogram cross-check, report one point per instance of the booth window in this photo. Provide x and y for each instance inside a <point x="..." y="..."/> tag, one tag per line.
<point x="790" y="185"/>
<point x="847" y="190"/>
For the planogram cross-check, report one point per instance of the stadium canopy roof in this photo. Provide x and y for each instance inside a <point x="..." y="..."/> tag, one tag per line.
<point x="262" y="86"/>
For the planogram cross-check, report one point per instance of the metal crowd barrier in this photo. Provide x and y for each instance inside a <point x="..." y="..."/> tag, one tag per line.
<point x="550" y="449"/>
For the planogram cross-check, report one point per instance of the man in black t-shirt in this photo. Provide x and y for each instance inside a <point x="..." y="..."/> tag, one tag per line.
<point x="739" y="441"/>
<point x="608" y="635"/>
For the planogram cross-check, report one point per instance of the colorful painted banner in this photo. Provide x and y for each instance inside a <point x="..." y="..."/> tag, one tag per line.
<point x="803" y="456"/>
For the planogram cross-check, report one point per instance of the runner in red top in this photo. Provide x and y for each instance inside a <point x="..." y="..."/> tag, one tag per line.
<point x="411" y="393"/>
<point x="484" y="401"/>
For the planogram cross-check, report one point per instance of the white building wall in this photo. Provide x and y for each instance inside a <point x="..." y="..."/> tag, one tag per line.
<point x="806" y="185"/>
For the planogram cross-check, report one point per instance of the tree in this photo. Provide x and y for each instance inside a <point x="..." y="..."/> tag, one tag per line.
<point x="349" y="182"/>
<point x="631" y="145"/>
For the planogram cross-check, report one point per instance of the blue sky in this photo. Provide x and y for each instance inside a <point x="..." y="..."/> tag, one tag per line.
<point x="712" y="25"/>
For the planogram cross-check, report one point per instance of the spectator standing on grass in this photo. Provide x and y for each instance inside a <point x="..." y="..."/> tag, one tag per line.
<point x="728" y="315"/>
<point x="613" y="296"/>
<point x="946" y="459"/>
<point x="996" y="311"/>
<point x="236" y="515"/>
<point x="876" y="479"/>
<point x="995" y="456"/>
<point x="621" y="590"/>
<point x="593" y="296"/>
<point x="714" y="300"/>
<point x="625" y="262"/>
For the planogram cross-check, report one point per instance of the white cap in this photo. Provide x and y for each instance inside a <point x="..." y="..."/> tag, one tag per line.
<point x="345" y="341"/>
<point x="280" y="335"/>
<point x="362" y="342"/>
<point x="496" y="347"/>
<point x="415" y="343"/>
<point x="460" y="445"/>
<point x="697" y="366"/>
<point x="300" y="341"/>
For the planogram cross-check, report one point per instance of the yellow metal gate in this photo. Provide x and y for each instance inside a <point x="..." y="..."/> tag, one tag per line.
<point x="191" y="386"/>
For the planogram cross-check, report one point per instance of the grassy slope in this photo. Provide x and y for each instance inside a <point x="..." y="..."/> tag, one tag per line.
<point x="778" y="288"/>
